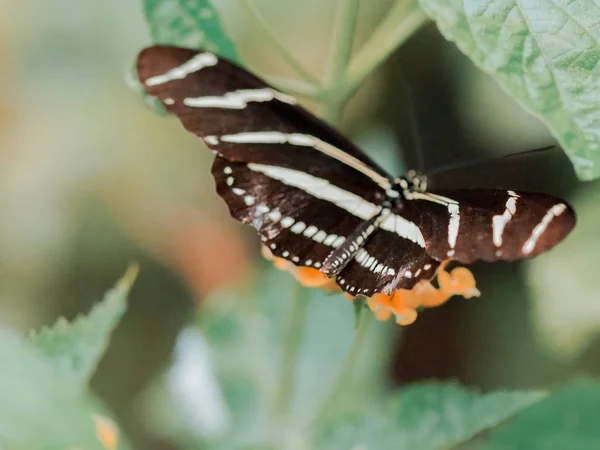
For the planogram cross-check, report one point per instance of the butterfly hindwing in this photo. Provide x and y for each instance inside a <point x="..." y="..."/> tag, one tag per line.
<point x="292" y="223"/>
<point x="386" y="263"/>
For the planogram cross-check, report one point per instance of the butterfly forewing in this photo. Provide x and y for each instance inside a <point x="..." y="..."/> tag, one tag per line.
<point x="490" y="224"/>
<point x="243" y="119"/>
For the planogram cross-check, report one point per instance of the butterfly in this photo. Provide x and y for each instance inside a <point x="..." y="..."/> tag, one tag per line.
<point x="317" y="201"/>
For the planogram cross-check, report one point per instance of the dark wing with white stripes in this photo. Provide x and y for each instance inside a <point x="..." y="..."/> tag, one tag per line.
<point x="386" y="263"/>
<point x="243" y="119"/>
<point x="293" y="224"/>
<point x="489" y="224"/>
<point x="299" y="183"/>
<point x="392" y="255"/>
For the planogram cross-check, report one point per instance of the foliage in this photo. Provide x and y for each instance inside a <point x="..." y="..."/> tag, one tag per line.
<point x="33" y="387"/>
<point x="76" y="347"/>
<point x="282" y="390"/>
<point x="427" y="416"/>
<point x="296" y="368"/>
<point x="546" y="54"/>
<point x="364" y="414"/>
<point x="38" y="407"/>
<point x="566" y="419"/>
<point x="44" y="402"/>
<point x="188" y="24"/>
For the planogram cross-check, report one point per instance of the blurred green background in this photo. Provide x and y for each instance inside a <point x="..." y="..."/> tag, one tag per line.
<point x="91" y="179"/>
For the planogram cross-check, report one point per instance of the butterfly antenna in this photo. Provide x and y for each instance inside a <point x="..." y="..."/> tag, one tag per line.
<point x="476" y="161"/>
<point x="416" y="141"/>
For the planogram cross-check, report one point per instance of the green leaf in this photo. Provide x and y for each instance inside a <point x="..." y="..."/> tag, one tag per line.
<point x="245" y="332"/>
<point x="427" y="416"/>
<point x="189" y="23"/>
<point x="77" y="347"/>
<point x="545" y="53"/>
<point x="567" y="419"/>
<point x="38" y="408"/>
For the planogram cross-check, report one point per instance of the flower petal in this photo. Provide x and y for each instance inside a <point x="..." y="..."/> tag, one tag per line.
<point x="403" y="303"/>
<point x="465" y="282"/>
<point x="406" y="317"/>
<point x="428" y="296"/>
<point x="307" y="276"/>
<point x="381" y="305"/>
<point x="460" y="282"/>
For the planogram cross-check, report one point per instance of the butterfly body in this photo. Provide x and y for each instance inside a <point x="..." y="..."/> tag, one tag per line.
<point x="318" y="201"/>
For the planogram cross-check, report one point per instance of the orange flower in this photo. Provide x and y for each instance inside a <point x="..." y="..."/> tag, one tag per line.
<point x="398" y="304"/>
<point x="381" y="305"/>
<point x="426" y="295"/>
<point x="307" y="276"/>
<point x="403" y="303"/>
<point x="459" y="282"/>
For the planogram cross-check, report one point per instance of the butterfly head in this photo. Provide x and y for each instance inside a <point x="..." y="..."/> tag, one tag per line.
<point x="411" y="182"/>
<point x="417" y="181"/>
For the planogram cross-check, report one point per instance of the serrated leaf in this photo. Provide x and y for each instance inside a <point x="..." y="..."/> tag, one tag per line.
<point x="38" y="408"/>
<point x="76" y="347"/>
<point x="425" y="417"/>
<point x="545" y="53"/>
<point x="568" y="419"/>
<point x="189" y="23"/>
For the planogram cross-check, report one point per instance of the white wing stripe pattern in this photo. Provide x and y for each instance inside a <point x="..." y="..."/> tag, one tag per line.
<point x="238" y="99"/>
<point x="499" y="222"/>
<point x="305" y="140"/>
<point x="402" y="227"/>
<point x="354" y="204"/>
<point x="555" y="211"/>
<point x="453" y="224"/>
<point x="258" y="212"/>
<point x="453" y="213"/>
<point x="198" y="62"/>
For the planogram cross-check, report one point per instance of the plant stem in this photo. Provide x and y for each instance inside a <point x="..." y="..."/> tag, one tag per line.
<point x="345" y="374"/>
<point x="397" y="27"/>
<point x="291" y="349"/>
<point x="343" y="39"/>
<point x="275" y="41"/>
<point x="341" y="50"/>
